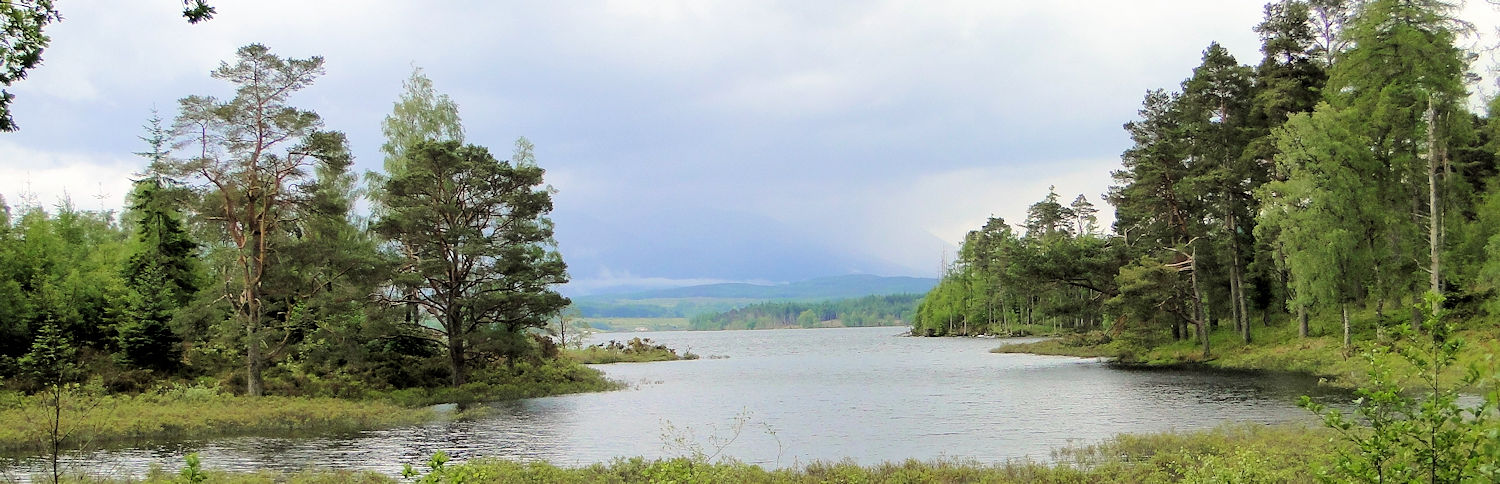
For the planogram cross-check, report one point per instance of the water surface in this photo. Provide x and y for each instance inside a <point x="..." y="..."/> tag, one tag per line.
<point x="784" y="397"/>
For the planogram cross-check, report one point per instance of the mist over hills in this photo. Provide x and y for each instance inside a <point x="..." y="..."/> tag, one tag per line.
<point x="682" y="302"/>
<point x="835" y="287"/>
<point x="633" y="249"/>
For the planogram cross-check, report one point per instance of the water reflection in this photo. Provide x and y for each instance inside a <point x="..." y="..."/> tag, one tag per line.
<point x="796" y="396"/>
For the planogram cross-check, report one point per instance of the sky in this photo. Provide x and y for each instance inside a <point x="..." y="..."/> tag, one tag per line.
<point x="688" y="141"/>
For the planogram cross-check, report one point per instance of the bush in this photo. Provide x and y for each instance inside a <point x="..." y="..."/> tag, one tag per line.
<point x="1092" y="338"/>
<point x="1400" y="436"/>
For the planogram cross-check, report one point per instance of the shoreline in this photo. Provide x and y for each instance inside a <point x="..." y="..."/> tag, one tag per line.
<point x="1265" y="453"/>
<point x="91" y="418"/>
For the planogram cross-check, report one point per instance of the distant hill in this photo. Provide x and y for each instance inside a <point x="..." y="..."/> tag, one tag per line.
<point x="887" y="310"/>
<point x="682" y="302"/>
<point x="836" y="287"/>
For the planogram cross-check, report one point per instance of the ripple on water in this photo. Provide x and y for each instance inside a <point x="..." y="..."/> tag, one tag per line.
<point x="802" y="395"/>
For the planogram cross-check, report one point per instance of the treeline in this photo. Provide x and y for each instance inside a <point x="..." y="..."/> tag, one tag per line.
<point x="663" y="309"/>
<point x="1344" y="171"/>
<point x="240" y="258"/>
<point x="891" y="310"/>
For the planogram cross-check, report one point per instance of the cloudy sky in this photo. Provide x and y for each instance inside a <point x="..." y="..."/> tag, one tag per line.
<point x="689" y="141"/>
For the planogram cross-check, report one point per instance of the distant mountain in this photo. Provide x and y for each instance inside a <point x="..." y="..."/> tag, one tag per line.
<point x="638" y="248"/>
<point x="836" y="287"/>
<point x="683" y="302"/>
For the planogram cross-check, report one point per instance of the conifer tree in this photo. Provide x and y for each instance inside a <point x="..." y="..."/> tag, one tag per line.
<point x="251" y="152"/>
<point x="481" y="259"/>
<point x="1216" y="108"/>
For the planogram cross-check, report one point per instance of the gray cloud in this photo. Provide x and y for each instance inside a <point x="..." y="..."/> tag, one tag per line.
<point x="842" y="136"/>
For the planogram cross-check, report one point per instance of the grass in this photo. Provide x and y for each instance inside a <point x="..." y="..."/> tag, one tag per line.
<point x="93" y="419"/>
<point x="1276" y="348"/>
<point x="1238" y="453"/>
<point x="636" y="350"/>
<point x="522" y="380"/>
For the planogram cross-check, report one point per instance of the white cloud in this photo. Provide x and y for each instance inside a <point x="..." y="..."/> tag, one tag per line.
<point x="889" y="127"/>
<point x="91" y="181"/>
<point x="912" y="222"/>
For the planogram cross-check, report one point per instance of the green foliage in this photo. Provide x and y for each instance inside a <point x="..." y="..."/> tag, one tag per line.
<point x="1002" y="282"/>
<point x="51" y="361"/>
<point x="61" y="269"/>
<point x="421" y="114"/>
<point x="1323" y="212"/>
<point x="1151" y="296"/>
<point x="191" y="470"/>
<point x="524" y="379"/>
<point x="1402" y="436"/>
<point x="161" y="275"/>
<point x="479" y="244"/>
<point x="251" y="152"/>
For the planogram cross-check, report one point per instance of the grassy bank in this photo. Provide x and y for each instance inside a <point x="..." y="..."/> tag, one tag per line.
<point x="1247" y="453"/>
<point x="636" y="350"/>
<point x="93" y="419"/>
<point x="522" y="380"/>
<point x="1229" y="454"/>
<point x="1275" y="348"/>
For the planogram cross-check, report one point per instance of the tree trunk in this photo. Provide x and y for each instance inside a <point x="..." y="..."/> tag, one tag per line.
<point x="56" y="437"/>
<point x="1236" y="279"/>
<point x="1302" y="321"/>
<point x="1348" y="343"/>
<point x="456" y="359"/>
<point x="254" y="385"/>
<point x="1416" y="314"/>
<point x="1030" y="310"/>
<point x="1198" y="306"/>
<point x="1434" y="210"/>
<point x="1237" y="302"/>
<point x="254" y="265"/>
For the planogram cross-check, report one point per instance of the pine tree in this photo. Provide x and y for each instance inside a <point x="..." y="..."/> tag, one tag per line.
<point x="250" y="152"/>
<point x="1216" y="109"/>
<point x="481" y="256"/>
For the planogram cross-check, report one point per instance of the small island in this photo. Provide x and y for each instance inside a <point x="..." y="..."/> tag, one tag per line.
<point x="637" y="350"/>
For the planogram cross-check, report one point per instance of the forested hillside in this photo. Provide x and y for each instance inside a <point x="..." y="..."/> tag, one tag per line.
<point x="690" y="301"/>
<point x="1345" y="171"/>
<point x="889" y="310"/>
